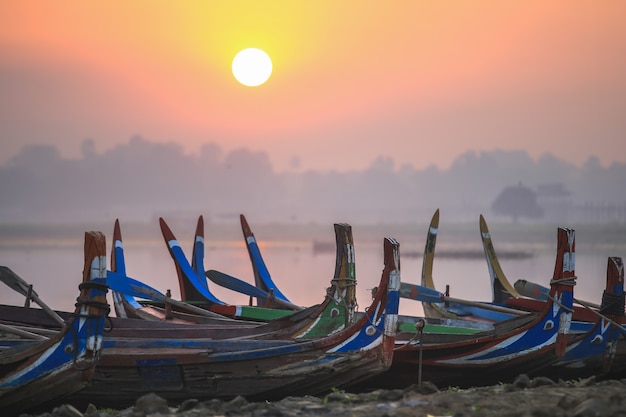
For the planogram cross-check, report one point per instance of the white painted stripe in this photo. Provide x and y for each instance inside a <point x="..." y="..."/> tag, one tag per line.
<point x="350" y="253"/>
<point x="98" y="267"/>
<point x="33" y="365"/>
<point x="500" y="358"/>
<point x="394" y="280"/>
<point x="308" y="329"/>
<point x="391" y="324"/>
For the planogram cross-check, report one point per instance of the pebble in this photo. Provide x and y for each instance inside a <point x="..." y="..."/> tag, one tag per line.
<point x="524" y="397"/>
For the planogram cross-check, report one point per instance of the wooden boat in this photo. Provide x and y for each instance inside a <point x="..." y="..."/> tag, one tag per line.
<point x="599" y="329"/>
<point x="125" y="298"/>
<point x="592" y="342"/>
<point x="319" y="320"/>
<point x="521" y="345"/>
<point x="204" y="368"/>
<point x="335" y="312"/>
<point x="345" y="263"/>
<point x="449" y="330"/>
<point x="593" y="335"/>
<point x="192" y="279"/>
<point x="451" y="308"/>
<point x="35" y="370"/>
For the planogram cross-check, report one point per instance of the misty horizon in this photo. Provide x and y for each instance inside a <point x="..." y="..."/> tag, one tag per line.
<point x="140" y="180"/>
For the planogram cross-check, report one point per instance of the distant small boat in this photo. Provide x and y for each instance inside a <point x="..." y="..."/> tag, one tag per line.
<point x="472" y="254"/>
<point x="322" y="246"/>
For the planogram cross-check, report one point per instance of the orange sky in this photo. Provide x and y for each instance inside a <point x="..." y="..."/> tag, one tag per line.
<point x="418" y="81"/>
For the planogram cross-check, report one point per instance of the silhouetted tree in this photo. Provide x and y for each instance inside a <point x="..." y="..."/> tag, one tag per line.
<point x="517" y="201"/>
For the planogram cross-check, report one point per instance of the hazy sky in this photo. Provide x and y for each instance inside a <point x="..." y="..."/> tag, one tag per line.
<point x="419" y="81"/>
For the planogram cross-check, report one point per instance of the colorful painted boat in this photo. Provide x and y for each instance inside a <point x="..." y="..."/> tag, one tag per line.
<point x="336" y="311"/>
<point x="205" y="368"/>
<point x="523" y="344"/>
<point x="194" y="288"/>
<point x="345" y="266"/>
<point x="41" y="370"/>
<point x="597" y="329"/>
<point x="191" y="321"/>
<point x="593" y="334"/>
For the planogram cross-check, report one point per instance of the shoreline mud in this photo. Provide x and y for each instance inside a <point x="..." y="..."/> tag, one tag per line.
<point x="524" y="397"/>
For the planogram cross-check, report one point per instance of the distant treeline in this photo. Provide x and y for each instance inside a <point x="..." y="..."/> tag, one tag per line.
<point x="141" y="180"/>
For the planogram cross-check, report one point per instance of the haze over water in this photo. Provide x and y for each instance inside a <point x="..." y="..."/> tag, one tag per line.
<point x="303" y="275"/>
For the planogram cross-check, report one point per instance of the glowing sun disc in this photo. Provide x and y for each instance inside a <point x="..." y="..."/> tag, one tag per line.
<point x="252" y="67"/>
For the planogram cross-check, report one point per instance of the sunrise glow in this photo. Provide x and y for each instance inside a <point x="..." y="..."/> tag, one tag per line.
<point x="252" y="67"/>
<point x="421" y="82"/>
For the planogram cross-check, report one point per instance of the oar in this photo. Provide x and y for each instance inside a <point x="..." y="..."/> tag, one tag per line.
<point x="130" y="286"/>
<point x="22" y="333"/>
<point x="531" y="290"/>
<point x="42" y="331"/>
<point x="424" y="294"/>
<point x="539" y="292"/>
<point x="16" y="283"/>
<point x="242" y="287"/>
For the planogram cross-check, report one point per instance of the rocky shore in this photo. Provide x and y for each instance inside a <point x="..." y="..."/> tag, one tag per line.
<point x="525" y="397"/>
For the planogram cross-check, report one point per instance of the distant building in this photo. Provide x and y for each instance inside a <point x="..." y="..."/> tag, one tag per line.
<point x="556" y="202"/>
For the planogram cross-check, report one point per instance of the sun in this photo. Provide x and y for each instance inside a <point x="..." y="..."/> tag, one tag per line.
<point x="252" y="67"/>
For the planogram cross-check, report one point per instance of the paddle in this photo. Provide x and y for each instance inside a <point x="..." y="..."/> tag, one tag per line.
<point x="235" y="284"/>
<point x="16" y="283"/>
<point x="424" y="294"/>
<point x="539" y="292"/>
<point x="127" y="285"/>
<point x="20" y="332"/>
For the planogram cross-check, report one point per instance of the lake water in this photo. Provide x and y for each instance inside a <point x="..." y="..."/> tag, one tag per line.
<point x="56" y="269"/>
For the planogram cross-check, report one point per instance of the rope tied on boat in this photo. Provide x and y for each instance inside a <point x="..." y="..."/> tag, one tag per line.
<point x="80" y="312"/>
<point x="599" y="314"/>
<point x="613" y="303"/>
<point x="351" y="306"/>
<point x="91" y="303"/>
<point x="571" y="281"/>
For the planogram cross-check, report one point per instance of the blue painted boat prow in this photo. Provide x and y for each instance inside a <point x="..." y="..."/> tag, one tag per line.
<point x="197" y="254"/>
<point x="192" y="282"/>
<point x="183" y="264"/>
<point x="262" y="277"/>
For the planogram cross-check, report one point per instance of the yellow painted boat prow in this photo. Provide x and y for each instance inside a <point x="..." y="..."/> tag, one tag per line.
<point x="495" y="270"/>
<point x="429" y="252"/>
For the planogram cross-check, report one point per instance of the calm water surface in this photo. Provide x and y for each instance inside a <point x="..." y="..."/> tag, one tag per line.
<point x="56" y="270"/>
